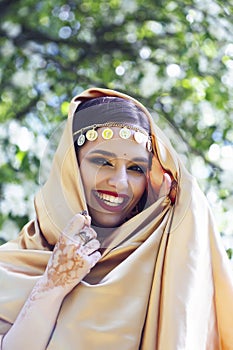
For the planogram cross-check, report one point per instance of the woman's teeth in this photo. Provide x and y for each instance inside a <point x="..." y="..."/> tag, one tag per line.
<point x="110" y="200"/>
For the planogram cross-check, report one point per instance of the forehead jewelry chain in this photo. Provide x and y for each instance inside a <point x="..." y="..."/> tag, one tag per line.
<point x="91" y="134"/>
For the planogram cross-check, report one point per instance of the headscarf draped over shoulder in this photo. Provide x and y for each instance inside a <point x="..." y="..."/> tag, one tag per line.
<point x="164" y="282"/>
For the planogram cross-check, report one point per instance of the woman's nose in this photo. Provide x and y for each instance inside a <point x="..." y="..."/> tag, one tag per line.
<point x="119" y="179"/>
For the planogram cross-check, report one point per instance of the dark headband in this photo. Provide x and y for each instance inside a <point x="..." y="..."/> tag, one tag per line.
<point x="108" y="110"/>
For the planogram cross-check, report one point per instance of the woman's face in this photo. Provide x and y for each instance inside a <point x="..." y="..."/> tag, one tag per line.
<point x="114" y="177"/>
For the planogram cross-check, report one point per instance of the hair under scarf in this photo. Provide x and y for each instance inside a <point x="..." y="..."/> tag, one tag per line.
<point x="102" y="110"/>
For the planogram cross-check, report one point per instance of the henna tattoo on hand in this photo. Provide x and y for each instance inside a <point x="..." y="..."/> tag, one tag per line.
<point x="65" y="263"/>
<point x="69" y="263"/>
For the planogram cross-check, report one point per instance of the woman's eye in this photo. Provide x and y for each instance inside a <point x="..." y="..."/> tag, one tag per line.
<point x="137" y="169"/>
<point x="100" y="161"/>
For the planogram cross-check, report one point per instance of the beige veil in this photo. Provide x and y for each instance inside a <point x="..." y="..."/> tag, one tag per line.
<point x="164" y="282"/>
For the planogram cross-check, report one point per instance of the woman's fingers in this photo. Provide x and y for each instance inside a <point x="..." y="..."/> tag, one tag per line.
<point x="94" y="258"/>
<point x="166" y="185"/>
<point x="91" y="246"/>
<point x="168" y="188"/>
<point x="156" y="175"/>
<point x="76" y="224"/>
<point x="85" y="235"/>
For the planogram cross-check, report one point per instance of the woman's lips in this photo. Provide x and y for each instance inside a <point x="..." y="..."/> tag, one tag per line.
<point x="111" y="201"/>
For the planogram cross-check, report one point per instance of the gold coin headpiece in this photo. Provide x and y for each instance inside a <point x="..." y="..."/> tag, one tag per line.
<point x="90" y="133"/>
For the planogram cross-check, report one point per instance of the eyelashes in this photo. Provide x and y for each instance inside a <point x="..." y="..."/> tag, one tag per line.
<point x="137" y="169"/>
<point x="103" y="162"/>
<point x="100" y="161"/>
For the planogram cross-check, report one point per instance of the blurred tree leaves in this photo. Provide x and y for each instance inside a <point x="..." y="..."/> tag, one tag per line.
<point x="175" y="56"/>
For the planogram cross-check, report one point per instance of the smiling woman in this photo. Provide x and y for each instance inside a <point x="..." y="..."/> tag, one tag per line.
<point x="114" y="181"/>
<point x="123" y="253"/>
<point x="114" y="156"/>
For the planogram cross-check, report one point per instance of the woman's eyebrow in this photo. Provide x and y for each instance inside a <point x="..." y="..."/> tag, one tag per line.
<point x="113" y="155"/>
<point x="104" y="153"/>
<point x="140" y="160"/>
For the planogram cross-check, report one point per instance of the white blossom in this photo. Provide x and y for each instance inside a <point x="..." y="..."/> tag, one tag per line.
<point x="13" y="200"/>
<point x="23" y="78"/>
<point x="150" y="82"/>
<point x="20" y="136"/>
<point x="9" y="230"/>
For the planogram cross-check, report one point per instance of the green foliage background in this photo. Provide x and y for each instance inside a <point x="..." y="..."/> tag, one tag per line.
<point x="174" y="56"/>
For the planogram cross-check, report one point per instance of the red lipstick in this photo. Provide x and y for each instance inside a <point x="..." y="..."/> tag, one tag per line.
<point x="106" y="203"/>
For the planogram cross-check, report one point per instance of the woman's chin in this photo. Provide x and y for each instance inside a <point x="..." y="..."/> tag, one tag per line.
<point x="108" y="220"/>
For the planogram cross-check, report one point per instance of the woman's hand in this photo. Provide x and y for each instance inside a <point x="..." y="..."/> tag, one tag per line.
<point x="73" y="256"/>
<point x="160" y="183"/>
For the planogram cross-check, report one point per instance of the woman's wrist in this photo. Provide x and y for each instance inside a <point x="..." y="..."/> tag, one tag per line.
<point x="44" y="288"/>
